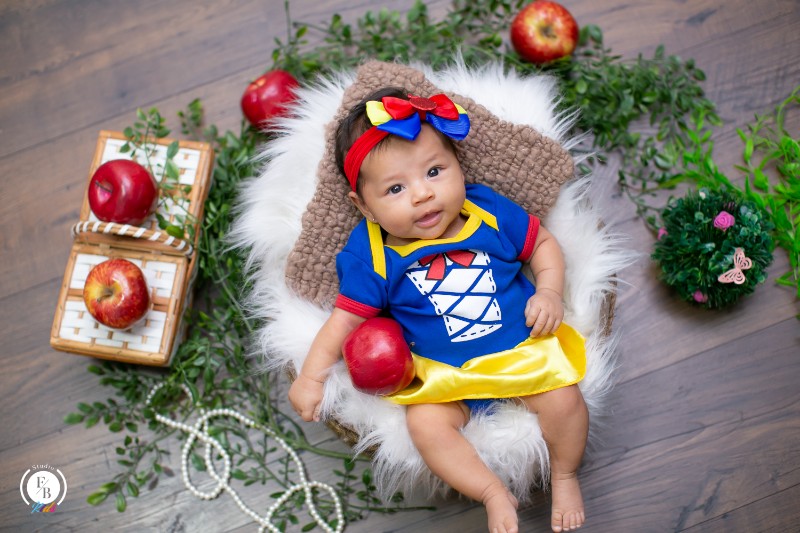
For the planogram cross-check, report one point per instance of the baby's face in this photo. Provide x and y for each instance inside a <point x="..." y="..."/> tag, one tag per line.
<point x="413" y="189"/>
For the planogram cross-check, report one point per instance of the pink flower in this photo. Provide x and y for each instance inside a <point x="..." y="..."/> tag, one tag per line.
<point x="699" y="297"/>
<point x="724" y="220"/>
<point x="661" y="232"/>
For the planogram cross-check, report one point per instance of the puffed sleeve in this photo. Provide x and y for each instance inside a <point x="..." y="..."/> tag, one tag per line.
<point x="361" y="290"/>
<point x="514" y="223"/>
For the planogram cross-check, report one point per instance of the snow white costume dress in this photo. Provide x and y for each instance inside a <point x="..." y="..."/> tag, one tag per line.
<point x="460" y="300"/>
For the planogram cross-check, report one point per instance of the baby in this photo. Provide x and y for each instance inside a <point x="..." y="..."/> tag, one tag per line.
<point x="444" y="259"/>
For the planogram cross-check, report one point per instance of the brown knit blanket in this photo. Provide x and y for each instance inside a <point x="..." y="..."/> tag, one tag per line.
<point x="515" y="160"/>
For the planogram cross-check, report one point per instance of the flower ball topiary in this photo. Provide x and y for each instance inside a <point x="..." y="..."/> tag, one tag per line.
<point x="714" y="247"/>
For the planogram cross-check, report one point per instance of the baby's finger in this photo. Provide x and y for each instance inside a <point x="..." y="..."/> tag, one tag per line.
<point x="549" y="326"/>
<point x="306" y="412"/>
<point x="530" y="314"/>
<point x="539" y="324"/>
<point x="553" y="324"/>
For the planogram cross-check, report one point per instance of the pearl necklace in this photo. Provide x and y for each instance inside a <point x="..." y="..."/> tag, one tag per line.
<point x="199" y="432"/>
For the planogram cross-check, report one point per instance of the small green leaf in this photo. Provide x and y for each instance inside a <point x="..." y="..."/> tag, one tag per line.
<point x="96" y="498"/>
<point x="73" y="418"/>
<point x="173" y="172"/>
<point x="162" y="221"/>
<point x="198" y="463"/>
<point x="595" y="33"/>
<point x="175" y="231"/>
<point x="121" y="503"/>
<point x="172" y="149"/>
<point x="760" y="179"/>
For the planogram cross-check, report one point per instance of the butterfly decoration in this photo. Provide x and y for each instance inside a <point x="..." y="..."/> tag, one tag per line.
<point x="736" y="274"/>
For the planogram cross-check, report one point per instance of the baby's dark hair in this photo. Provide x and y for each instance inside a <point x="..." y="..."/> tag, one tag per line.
<point x="356" y="123"/>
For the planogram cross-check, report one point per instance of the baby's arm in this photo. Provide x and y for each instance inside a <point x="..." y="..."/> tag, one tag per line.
<point x="305" y="394"/>
<point x="545" y="309"/>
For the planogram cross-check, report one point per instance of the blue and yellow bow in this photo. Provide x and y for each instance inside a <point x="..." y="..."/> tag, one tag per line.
<point x="404" y="117"/>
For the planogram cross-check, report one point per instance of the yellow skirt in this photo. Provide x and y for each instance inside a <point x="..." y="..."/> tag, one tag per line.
<point x="534" y="366"/>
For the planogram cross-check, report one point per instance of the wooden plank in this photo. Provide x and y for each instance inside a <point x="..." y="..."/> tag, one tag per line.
<point x="702" y="437"/>
<point x="60" y="56"/>
<point x="660" y="329"/>
<point x="756" y="517"/>
<point x="133" y="54"/>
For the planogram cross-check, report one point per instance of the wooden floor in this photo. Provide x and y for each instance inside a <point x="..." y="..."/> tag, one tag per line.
<point x="703" y="433"/>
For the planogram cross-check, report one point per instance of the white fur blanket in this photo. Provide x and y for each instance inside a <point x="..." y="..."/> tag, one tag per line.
<point x="268" y="223"/>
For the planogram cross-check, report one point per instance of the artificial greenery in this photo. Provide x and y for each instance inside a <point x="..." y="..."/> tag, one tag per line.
<point x="771" y="179"/>
<point x="151" y="126"/>
<point x="615" y="96"/>
<point x="697" y="243"/>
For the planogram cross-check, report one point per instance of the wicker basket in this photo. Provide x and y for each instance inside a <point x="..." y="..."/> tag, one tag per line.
<point x="168" y="263"/>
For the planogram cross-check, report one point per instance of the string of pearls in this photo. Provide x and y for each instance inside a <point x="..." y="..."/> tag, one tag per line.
<point x="199" y="432"/>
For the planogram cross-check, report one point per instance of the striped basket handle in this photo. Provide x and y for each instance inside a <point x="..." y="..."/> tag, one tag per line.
<point x="137" y="232"/>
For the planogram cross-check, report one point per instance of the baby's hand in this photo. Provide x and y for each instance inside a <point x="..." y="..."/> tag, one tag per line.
<point x="544" y="312"/>
<point x="305" y="395"/>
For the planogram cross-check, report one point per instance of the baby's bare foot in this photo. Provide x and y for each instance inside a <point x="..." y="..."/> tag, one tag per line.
<point x="501" y="508"/>
<point x="567" y="502"/>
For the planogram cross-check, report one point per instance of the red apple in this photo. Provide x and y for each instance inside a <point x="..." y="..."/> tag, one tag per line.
<point x="115" y="293"/>
<point x="266" y="98"/>
<point x="544" y="31"/>
<point x="122" y="191"/>
<point x="378" y="357"/>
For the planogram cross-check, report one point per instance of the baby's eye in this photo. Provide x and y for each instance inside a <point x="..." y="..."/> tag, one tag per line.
<point x="394" y="189"/>
<point x="432" y="173"/>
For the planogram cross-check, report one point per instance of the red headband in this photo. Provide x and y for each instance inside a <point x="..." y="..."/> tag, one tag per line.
<point x="359" y="150"/>
<point x="404" y="119"/>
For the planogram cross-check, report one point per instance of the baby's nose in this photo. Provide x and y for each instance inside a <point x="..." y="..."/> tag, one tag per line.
<point x="423" y="192"/>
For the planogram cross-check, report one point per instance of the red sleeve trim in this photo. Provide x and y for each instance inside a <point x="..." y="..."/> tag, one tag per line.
<point x="530" y="239"/>
<point x="357" y="308"/>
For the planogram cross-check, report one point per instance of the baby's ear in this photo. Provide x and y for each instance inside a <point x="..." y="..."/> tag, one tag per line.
<point x="360" y="205"/>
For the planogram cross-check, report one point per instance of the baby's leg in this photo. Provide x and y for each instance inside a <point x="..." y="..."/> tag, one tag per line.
<point x="435" y="430"/>
<point x="565" y="426"/>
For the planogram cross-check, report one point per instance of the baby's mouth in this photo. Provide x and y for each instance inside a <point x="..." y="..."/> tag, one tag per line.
<point x="430" y="219"/>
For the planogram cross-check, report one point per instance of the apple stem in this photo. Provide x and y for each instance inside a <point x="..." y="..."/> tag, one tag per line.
<point x="108" y="292"/>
